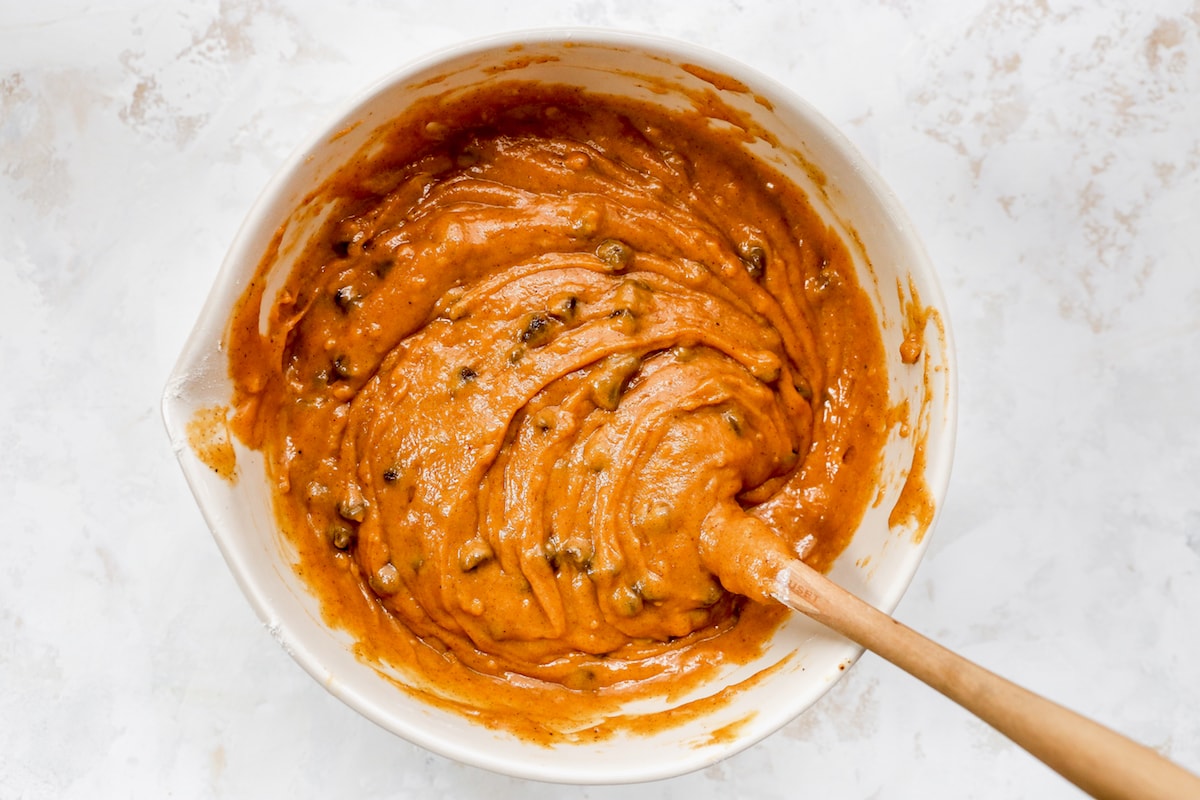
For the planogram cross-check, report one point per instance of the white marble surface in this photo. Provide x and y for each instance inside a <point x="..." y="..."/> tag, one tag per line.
<point x="1048" y="151"/>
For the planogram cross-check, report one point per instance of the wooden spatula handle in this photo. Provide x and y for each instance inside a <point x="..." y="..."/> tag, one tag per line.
<point x="1098" y="760"/>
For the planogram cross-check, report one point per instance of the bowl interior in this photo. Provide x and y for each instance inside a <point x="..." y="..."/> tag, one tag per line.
<point x="878" y="564"/>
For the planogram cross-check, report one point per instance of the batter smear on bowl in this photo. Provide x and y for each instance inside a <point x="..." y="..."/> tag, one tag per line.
<point x="543" y="345"/>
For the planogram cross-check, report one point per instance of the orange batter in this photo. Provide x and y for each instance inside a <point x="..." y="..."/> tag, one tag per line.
<point x="549" y="349"/>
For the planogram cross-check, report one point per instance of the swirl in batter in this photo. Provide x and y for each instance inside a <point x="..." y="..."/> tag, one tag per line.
<point x="548" y="349"/>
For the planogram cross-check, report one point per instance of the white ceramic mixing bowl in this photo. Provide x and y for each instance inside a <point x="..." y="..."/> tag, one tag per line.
<point x="877" y="565"/>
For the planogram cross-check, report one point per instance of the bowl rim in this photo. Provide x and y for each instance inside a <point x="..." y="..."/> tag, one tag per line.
<point x="266" y="603"/>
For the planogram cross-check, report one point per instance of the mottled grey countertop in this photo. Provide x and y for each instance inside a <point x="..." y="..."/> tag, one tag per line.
<point x="1049" y="152"/>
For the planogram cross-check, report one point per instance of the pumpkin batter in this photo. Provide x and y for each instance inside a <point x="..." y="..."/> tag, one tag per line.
<point x="547" y="350"/>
